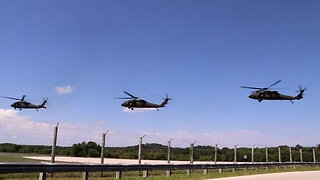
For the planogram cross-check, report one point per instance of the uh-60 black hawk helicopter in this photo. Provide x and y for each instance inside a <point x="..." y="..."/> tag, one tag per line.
<point x="266" y="94"/>
<point x="22" y="104"/>
<point x="136" y="102"/>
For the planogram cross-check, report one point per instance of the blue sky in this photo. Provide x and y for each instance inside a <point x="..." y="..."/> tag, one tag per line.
<point x="197" y="52"/>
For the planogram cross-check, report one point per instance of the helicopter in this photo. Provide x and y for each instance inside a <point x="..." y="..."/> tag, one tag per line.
<point x="266" y="94"/>
<point x="136" y="102"/>
<point x="22" y="104"/>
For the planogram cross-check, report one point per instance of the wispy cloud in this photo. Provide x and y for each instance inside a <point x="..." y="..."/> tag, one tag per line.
<point x="64" y="89"/>
<point x="15" y="128"/>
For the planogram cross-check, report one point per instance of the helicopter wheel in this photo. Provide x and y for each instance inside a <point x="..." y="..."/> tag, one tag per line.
<point x="260" y="100"/>
<point x="131" y="108"/>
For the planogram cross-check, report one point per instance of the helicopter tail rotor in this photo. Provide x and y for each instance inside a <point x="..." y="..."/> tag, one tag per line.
<point x="166" y="99"/>
<point x="45" y="101"/>
<point x="300" y="92"/>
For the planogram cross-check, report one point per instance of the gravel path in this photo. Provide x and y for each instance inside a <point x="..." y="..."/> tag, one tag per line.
<point x="113" y="161"/>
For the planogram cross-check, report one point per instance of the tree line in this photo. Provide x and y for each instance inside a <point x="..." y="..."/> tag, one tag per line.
<point x="155" y="151"/>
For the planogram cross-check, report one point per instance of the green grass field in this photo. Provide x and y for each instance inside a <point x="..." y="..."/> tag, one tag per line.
<point x="153" y="175"/>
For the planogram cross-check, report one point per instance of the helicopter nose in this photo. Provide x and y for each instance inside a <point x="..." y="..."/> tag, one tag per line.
<point x="251" y="96"/>
<point x="123" y="104"/>
<point x="13" y="105"/>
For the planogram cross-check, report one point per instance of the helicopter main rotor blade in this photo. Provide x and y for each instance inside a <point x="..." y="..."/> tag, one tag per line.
<point x="124" y="98"/>
<point x="250" y="87"/>
<point x="134" y="97"/>
<point x="273" y="84"/>
<point x="10" y="98"/>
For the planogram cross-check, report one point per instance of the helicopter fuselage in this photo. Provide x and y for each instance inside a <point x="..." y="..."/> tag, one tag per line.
<point x="26" y="105"/>
<point x="273" y="95"/>
<point x="140" y="104"/>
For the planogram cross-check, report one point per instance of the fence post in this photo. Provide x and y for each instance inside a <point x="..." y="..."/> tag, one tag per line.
<point x="301" y="160"/>
<point x="252" y="155"/>
<point x="145" y="173"/>
<point x="235" y="154"/>
<point x="279" y="154"/>
<point x="139" y="152"/>
<point x="191" y="158"/>
<point x="215" y="153"/>
<point x="290" y="154"/>
<point x="205" y="171"/>
<point x="189" y="172"/>
<point x="314" y="155"/>
<point x="169" y="146"/>
<point x="102" y="148"/>
<point x="191" y="152"/>
<point x="54" y="144"/>
<point x="118" y="174"/>
<point x="85" y="176"/>
<point x="42" y="176"/>
<point x="267" y="159"/>
<point x="169" y="173"/>
<point x="234" y="169"/>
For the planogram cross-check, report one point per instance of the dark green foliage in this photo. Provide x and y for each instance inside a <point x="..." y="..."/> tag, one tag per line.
<point x="159" y="152"/>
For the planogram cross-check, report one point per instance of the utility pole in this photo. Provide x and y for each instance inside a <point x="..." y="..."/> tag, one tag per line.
<point x="102" y="148"/>
<point x="267" y="159"/>
<point x="252" y="155"/>
<point x="139" y="153"/>
<point x="54" y="143"/>
<point x="215" y="153"/>
<point x="301" y="160"/>
<point x="279" y="154"/>
<point x="290" y="153"/>
<point x="314" y="155"/>
<point x="235" y="153"/>
<point x="169" y="146"/>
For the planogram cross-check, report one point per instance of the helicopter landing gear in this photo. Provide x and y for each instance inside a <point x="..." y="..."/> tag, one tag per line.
<point x="260" y="100"/>
<point x="131" y="108"/>
<point x="291" y="101"/>
<point x="157" y="109"/>
<point x="37" y="109"/>
<point x="20" y="109"/>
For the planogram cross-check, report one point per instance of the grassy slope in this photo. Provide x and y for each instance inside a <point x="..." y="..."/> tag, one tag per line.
<point x="14" y="157"/>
